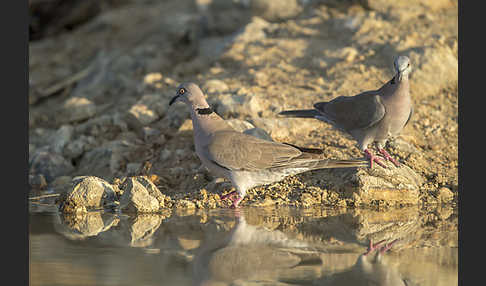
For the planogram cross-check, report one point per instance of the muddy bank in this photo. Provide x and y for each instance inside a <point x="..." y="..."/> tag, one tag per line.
<point x="98" y="97"/>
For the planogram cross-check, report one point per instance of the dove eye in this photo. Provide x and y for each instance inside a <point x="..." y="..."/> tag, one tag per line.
<point x="182" y="91"/>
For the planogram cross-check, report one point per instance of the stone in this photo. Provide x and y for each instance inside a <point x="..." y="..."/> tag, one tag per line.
<point x="253" y="31"/>
<point x="436" y="69"/>
<point x="61" y="138"/>
<point x="152" y="189"/>
<point x="240" y="125"/>
<point x="143" y="114"/>
<point x="391" y="186"/>
<point x="214" y="86"/>
<point x="106" y="160"/>
<point x="282" y="128"/>
<point x="76" y="109"/>
<point x="49" y="164"/>
<point x="88" y="192"/>
<point x="445" y="195"/>
<point x="275" y="11"/>
<point x="78" y="147"/>
<point x="136" y="198"/>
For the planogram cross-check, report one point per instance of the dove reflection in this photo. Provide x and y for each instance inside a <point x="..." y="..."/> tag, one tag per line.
<point x="371" y="268"/>
<point x="252" y="253"/>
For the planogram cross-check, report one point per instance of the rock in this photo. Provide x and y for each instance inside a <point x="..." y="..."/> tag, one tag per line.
<point x="61" y="138"/>
<point x="136" y="198"/>
<point x="226" y="105"/>
<point x="49" y="164"/>
<point x="107" y="160"/>
<point x="150" y="133"/>
<point x="231" y="105"/>
<point x="78" y="147"/>
<point x="214" y="86"/>
<point x="152" y="190"/>
<point x="282" y="128"/>
<point x="143" y="114"/>
<point x="385" y="6"/>
<point x="76" y="109"/>
<point x="224" y="17"/>
<point x="445" y="195"/>
<point x="253" y="31"/>
<point x="390" y="186"/>
<point x="88" y="192"/>
<point x="184" y="204"/>
<point x="100" y="126"/>
<point x="275" y="11"/>
<point x="435" y="68"/>
<point x="240" y="125"/>
<point x="37" y="181"/>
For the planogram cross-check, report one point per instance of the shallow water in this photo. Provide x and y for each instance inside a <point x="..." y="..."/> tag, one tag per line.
<point x="250" y="246"/>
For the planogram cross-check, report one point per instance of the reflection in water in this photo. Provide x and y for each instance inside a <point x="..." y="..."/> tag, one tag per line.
<point x="252" y="253"/>
<point x="371" y="268"/>
<point x="250" y="246"/>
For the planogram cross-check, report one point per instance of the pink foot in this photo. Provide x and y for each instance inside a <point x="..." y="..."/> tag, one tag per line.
<point x="377" y="246"/>
<point x="373" y="158"/>
<point x="388" y="157"/>
<point x="236" y="202"/>
<point x="234" y="197"/>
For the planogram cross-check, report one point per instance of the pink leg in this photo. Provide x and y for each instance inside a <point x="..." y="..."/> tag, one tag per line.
<point x="388" y="157"/>
<point x="236" y="202"/>
<point x="228" y="195"/>
<point x="234" y="197"/>
<point x="372" y="247"/>
<point x="373" y="158"/>
<point x="387" y="246"/>
<point x="377" y="246"/>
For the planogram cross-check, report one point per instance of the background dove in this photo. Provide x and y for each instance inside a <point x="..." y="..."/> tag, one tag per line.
<point x="371" y="116"/>
<point x="245" y="160"/>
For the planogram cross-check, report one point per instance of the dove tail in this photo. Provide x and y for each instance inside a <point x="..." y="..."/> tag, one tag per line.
<point x="302" y="113"/>
<point x="352" y="163"/>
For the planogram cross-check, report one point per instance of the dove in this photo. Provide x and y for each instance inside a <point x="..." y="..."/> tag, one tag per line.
<point x="245" y="160"/>
<point x="371" y="116"/>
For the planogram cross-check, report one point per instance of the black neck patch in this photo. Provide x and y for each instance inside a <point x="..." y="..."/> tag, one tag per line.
<point x="204" y="111"/>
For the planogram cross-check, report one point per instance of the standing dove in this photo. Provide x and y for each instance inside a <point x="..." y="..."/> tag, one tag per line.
<point x="245" y="160"/>
<point x="371" y="116"/>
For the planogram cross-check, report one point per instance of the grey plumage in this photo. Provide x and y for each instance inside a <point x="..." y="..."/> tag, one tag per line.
<point x="246" y="160"/>
<point x="371" y="116"/>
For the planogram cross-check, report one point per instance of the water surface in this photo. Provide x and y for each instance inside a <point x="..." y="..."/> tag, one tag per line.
<point x="250" y="246"/>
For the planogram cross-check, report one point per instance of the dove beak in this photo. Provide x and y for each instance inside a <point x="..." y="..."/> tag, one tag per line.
<point x="399" y="75"/>
<point x="174" y="99"/>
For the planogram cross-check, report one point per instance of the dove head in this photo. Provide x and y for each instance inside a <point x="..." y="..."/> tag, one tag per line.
<point x="190" y="94"/>
<point x="402" y="67"/>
